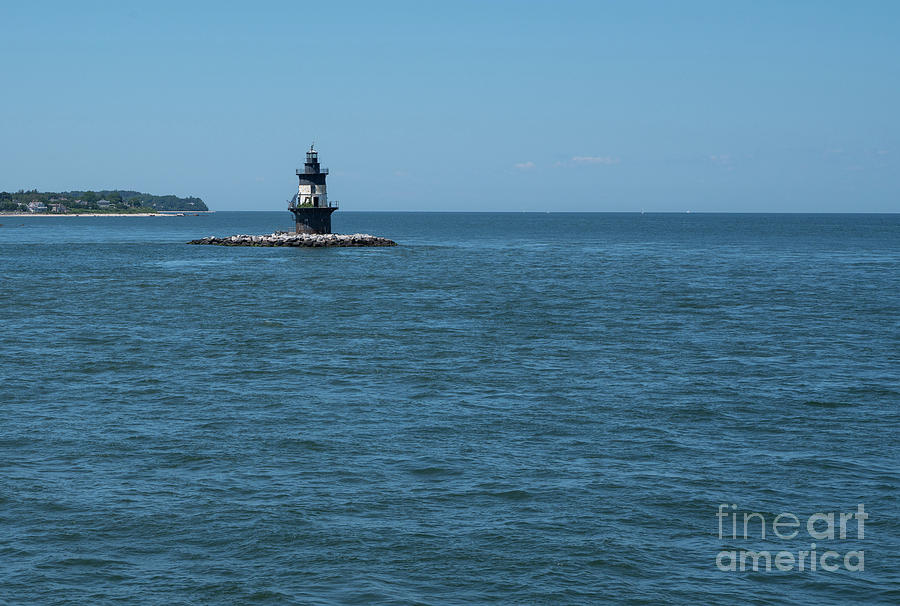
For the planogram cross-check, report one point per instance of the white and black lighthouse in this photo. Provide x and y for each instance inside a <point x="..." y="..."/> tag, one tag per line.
<point x="311" y="208"/>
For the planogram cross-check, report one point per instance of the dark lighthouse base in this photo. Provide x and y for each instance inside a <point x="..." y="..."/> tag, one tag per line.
<point x="313" y="219"/>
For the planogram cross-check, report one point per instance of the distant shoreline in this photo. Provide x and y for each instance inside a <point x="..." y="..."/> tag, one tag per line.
<point x="17" y="216"/>
<point x="167" y="214"/>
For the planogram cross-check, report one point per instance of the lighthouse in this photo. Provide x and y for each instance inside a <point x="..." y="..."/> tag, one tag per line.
<point x="311" y="208"/>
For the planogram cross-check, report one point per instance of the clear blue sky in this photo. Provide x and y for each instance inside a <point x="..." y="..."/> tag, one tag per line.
<point x="606" y="106"/>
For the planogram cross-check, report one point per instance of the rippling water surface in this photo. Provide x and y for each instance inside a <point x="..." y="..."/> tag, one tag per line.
<point x="506" y="408"/>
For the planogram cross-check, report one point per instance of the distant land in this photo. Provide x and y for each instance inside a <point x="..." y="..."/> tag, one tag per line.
<point x="115" y="201"/>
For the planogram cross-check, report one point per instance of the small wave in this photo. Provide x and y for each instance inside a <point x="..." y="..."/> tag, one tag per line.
<point x="513" y="495"/>
<point x="88" y="562"/>
<point x="312" y="445"/>
<point x="434" y="471"/>
<point x="824" y="404"/>
<point x="190" y="263"/>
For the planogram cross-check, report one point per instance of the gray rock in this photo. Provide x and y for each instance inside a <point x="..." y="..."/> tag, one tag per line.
<point x="301" y="240"/>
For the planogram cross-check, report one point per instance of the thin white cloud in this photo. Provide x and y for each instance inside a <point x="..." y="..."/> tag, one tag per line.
<point x="525" y="165"/>
<point x="605" y="160"/>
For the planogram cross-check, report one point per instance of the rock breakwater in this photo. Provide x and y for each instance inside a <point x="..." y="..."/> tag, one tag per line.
<point x="292" y="239"/>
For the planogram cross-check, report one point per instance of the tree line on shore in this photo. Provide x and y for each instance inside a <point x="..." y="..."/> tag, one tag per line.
<point x="115" y="200"/>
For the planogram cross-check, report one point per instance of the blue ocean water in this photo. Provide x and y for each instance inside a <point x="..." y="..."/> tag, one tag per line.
<point x="506" y="408"/>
